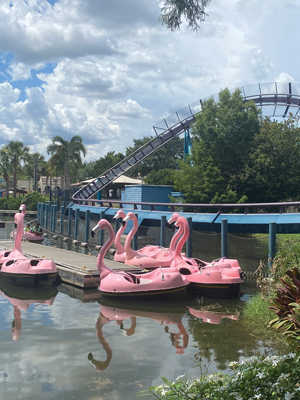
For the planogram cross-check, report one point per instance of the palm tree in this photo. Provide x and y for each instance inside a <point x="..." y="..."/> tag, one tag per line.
<point x="5" y="169"/>
<point x="35" y="166"/>
<point x="16" y="153"/>
<point x="65" y="153"/>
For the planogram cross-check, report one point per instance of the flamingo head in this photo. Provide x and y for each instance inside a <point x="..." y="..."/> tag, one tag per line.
<point x="173" y="219"/>
<point x="22" y="209"/>
<point x="129" y="216"/>
<point x="119" y="214"/>
<point x="103" y="223"/>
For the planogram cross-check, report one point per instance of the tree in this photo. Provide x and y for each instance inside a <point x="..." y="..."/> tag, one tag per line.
<point x="35" y="164"/>
<point x="273" y="169"/>
<point x="173" y="11"/>
<point x="16" y="153"/>
<point x="5" y="168"/>
<point x="66" y="154"/>
<point x="167" y="157"/>
<point x="222" y="138"/>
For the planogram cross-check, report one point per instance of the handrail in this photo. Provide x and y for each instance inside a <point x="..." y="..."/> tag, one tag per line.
<point x="100" y="203"/>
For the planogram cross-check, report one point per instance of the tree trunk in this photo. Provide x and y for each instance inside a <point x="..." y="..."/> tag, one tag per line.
<point x="15" y="180"/>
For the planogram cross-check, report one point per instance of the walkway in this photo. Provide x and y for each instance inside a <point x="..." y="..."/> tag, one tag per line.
<point x="74" y="268"/>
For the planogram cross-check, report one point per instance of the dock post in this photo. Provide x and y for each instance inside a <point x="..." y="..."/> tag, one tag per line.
<point x="272" y="243"/>
<point x="69" y="221"/>
<point x="61" y="220"/>
<point x="163" y="223"/>
<point x="135" y="238"/>
<point x="189" y="243"/>
<point x="87" y="225"/>
<point x="51" y="216"/>
<point x="42" y="215"/>
<point x="101" y="236"/>
<point x="54" y="217"/>
<point x="47" y="213"/>
<point x="224" y="233"/>
<point x="76" y="223"/>
<point x="117" y="223"/>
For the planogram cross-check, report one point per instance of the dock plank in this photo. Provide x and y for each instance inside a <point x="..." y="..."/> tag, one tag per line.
<point x="74" y="268"/>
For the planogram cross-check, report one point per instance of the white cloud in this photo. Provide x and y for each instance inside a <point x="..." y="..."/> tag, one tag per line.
<point x="116" y="71"/>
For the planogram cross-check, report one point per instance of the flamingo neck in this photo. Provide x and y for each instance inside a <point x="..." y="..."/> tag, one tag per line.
<point x="102" y="268"/>
<point x="185" y="234"/>
<point x="19" y="218"/>
<point x="177" y="235"/>
<point x="119" y="248"/>
<point x="129" y="252"/>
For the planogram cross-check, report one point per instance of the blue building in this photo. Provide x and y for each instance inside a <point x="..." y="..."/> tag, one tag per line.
<point x="147" y="193"/>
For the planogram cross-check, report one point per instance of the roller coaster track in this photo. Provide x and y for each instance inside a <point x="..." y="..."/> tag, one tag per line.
<point x="275" y="99"/>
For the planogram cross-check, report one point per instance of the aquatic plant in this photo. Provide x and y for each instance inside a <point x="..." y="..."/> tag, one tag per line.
<point x="271" y="377"/>
<point x="286" y="305"/>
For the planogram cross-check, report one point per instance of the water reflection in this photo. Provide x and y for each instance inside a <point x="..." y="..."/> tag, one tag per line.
<point x="168" y="319"/>
<point x="22" y="297"/>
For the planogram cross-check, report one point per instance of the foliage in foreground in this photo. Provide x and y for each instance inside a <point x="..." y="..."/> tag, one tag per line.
<point x="287" y="307"/>
<point x="271" y="377"/>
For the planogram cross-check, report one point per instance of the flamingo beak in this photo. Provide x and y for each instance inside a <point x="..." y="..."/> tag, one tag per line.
<point x="126" y="218"/>
<point x="96" y="229"/>
<point x="116" y="216"/>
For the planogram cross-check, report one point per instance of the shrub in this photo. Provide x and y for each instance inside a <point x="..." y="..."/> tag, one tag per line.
<point x="271" y="377"/>
<point x="31" y="199"/>
<point x="287" y="307"/>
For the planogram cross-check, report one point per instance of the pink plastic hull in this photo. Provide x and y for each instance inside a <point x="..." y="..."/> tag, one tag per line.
<point x="29" y="272"/>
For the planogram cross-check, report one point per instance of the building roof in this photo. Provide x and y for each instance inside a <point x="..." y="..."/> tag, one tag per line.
<point x="123" y="179"/>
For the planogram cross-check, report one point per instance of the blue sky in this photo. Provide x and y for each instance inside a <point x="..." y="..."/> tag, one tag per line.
<point x="108" y="71"/>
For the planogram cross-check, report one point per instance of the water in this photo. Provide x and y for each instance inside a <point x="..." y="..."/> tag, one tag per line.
<point x="55" y="346"/>
<point x="66" y="343"/>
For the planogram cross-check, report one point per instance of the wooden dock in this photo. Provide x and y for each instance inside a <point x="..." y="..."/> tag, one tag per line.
<point x="74" y="268"/>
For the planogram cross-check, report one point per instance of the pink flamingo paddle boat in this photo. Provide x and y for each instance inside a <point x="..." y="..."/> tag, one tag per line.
<point x="28" y="235"/>
<point x="161" y="258"/>
<point x="120" y="254"/>
<point x="124" y="285"/>
<point x="20" y="270"/>
<point x="17" y="250"/>
<point x="219" y="279"/>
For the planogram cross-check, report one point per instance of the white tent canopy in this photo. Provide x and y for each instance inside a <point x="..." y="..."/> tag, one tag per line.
<point x="123" y="179"/>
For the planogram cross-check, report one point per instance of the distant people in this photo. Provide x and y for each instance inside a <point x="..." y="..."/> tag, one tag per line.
<point x="37" y="230"/>
<point x="27" y="228"/>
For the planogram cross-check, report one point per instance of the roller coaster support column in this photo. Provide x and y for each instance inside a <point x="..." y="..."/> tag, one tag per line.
<point x="224" y="233"/>
<point x="189" y="243"/>
<point x="272" y="243"/>
<point x="163" y="223"/>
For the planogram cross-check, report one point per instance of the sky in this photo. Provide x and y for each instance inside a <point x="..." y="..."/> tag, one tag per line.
<point x="108" y="70"/>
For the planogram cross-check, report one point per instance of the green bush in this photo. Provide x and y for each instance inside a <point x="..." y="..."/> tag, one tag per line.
<point x="32" y="199"/>
<point x="287" y="307"/>
<point x="271" y="377"/>
<point x="11" y="203"/>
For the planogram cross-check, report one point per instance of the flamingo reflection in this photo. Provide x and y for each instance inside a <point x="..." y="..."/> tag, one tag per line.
<point x="212" y="317"/>
<point x="21" y="298"/>
<point x="178" y="339"/>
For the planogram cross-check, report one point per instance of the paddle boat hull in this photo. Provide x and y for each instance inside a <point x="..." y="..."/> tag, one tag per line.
<point x="30" y="237"/>
<point x="29" y="272"/>
<point x="217" y="281"/>
<point x="155" y="285"/>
